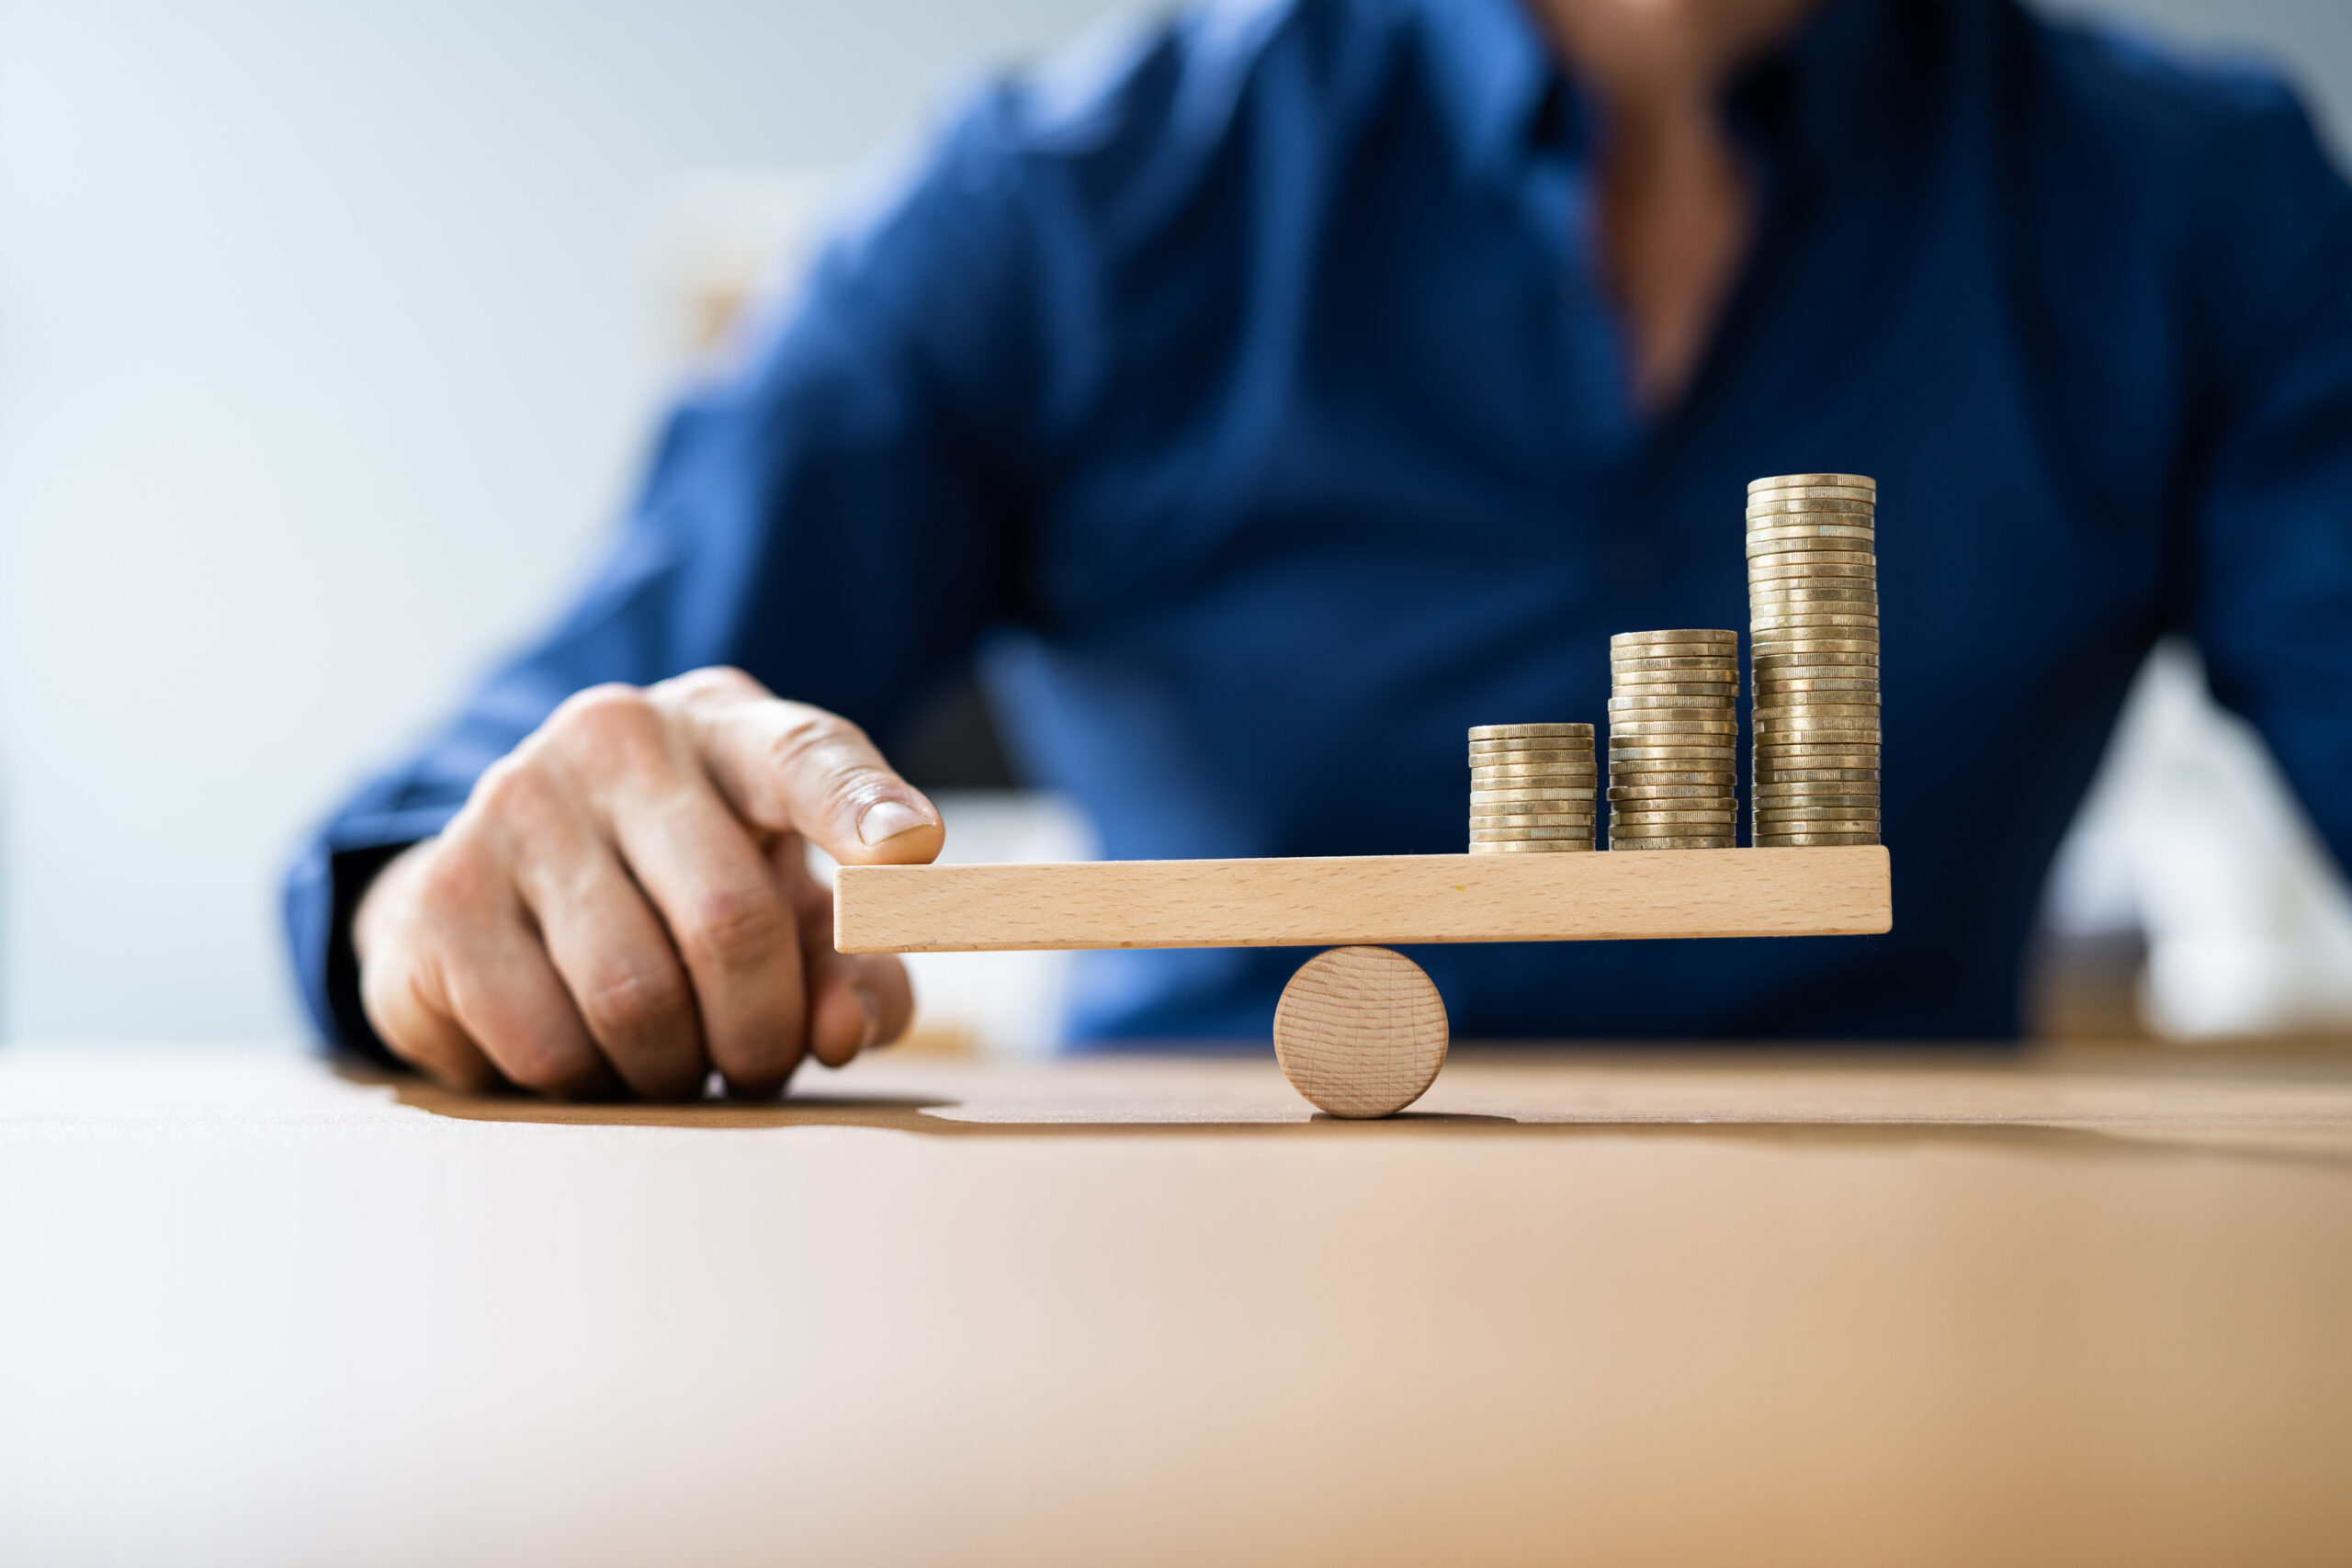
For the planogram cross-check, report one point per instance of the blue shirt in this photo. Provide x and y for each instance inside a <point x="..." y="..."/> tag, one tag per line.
<point x="1243" y="393"/>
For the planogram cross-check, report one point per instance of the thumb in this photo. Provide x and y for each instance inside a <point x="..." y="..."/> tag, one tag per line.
<point x="789" y="768"/>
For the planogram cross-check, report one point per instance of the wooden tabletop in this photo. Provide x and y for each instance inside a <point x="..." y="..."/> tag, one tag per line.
<point x="1606" y="1308"/>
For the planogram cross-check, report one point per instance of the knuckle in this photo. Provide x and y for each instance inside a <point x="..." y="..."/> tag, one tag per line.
<point x="515" y="790"/>
<point x="606" y="721"/>
<point x="812" y="736"/>
<point x="632" y="1001"/>
<point x="457" y="882"/>
<point x="711" y="683"/>
<point x="735" y="928"/>
<point x="546" y="1066"/>
<point x="833" y="754"/>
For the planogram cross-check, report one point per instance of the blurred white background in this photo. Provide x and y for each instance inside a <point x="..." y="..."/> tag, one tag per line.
<point x="331" y="337"/>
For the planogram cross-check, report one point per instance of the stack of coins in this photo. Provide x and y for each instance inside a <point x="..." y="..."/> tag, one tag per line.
<point x="1813" y="630"/>
<point x="1531" y="788"/>
<point x="1673" y="734"/>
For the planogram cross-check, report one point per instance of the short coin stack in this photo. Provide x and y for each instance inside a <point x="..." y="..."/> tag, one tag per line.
<point x="1812" y="633"/>
<point x="1531" y="788"/>
<point x="1673" y="734"/>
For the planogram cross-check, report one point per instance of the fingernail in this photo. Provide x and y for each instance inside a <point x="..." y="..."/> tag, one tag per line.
<point x="889" y="819"/>
<point x="871" y="1007"/>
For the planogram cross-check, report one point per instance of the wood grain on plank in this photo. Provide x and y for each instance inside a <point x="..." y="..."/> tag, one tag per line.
<point x="1360" y="1032"/>
<point x="1335" y="901"/>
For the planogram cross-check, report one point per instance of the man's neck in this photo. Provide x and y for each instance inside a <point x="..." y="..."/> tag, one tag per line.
<point x="1675" y="213"/>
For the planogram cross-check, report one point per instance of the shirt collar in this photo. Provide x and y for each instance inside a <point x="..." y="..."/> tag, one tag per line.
<point x="1493" y="73"/>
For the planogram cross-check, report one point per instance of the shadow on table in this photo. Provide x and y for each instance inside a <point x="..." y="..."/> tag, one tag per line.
<point x="1834" y="1113"/>
<point x="892" y="1113"/>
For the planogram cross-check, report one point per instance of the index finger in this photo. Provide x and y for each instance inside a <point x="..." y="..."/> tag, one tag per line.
<point x="791" y="768"/>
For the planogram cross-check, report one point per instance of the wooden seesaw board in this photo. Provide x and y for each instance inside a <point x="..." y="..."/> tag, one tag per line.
<point x="1360" y="1032"/>
<point x="1367" y="899"/>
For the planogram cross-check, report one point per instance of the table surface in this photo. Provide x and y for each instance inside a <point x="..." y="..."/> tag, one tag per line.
<point x="1669" y="1308"/>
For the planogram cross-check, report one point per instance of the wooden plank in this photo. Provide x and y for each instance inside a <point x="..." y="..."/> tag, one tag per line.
<point x="1386" y="899"/>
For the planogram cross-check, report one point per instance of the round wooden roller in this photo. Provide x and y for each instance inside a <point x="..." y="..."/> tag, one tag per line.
<point x="1360" y="1032"/>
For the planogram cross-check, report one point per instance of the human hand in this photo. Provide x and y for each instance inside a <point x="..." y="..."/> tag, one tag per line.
<point x="624" y="901"/>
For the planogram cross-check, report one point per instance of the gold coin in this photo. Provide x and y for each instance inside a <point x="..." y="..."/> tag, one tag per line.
<point x="1671" y="740"/>
<point x="1654" y="697"/>
<point x="1504" y="833"/>
<point x="1571" y="760"/>
<point x="1820" y="715"/>
<point x="1533" y="743"/>
<point x="1713" y="658"/>
<point x="1764" y="527"/>
<point x="1766" y="774"/>
<point x="1769" y="510"/>
<point x="1767" y="618"/>
<point x="1677" y="758"/>
<point x="1658" y="824"/>
<point x="1794" y="685"/>
<point x="1794" y="801"/>
<point x="1708" y="653"/>
<point x="1813" y="495"/>
<point x="1846" y="539"/>
<point x="1779" y="597"/>
<point x="1534" y="791"/>
<point x="1809" y="841"/>
<point x="1537" y="743"/>
<point x="1792" y="664"/>
<point x="1553" y="811"/>
<point x="1669" y="791"/>
<point x="1527" y="732"/>
<point x="1718" y="841"/>
<point x="1531" y="846"/>
<point x="1808" y="482"/>
<point x="1486" y="785"/>
<point x="1667" y="774"/>
<point x="1569" y="827"/>
<point x="1532" y="778"/>
<point x="1534" y="812"/>
<point x="1812" y="560"/>
<point x="1639" y="736"/>
<point x="1579" y="758"/>
<point x="1530" y="835"/>
<point x="1671" y="685"/>
<point x="1809" y="565"/>
<point x="1674" y="721"/>
<point x="1771" y="718"/>
<point x="1811" y="590"/>
<point x="1788" y="579"/>
<point x="1778" y="647"/>
<point x="1805" y="622"/>
<point x="1635" y="640"/>
<point x="1817" y="699"/>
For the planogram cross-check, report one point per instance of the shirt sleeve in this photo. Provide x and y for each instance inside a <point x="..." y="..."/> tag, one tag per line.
<point x="2268" y="595"/>
<point x="839" y="517"/>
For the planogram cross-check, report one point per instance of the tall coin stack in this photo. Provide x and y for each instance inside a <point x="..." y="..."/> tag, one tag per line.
<point x="1813" y="635"/>
<point x="1673" y="735"/>
<point x="1531" y="788"/>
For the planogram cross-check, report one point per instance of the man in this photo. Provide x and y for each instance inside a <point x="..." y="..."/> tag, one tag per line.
<point x="1274" y="395"/>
